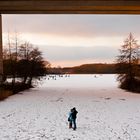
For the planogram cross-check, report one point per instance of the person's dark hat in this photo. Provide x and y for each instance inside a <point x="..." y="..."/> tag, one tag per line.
<point x="74" y="108"/>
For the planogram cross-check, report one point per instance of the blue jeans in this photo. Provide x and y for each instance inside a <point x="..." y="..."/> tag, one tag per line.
<point x="74" y="123"/>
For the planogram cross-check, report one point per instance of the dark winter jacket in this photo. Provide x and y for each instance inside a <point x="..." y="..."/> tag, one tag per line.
<point x="74" y="113"/>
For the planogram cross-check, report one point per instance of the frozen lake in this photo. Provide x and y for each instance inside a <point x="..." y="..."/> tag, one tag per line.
<point x="82" y="80"/>
<point x="105" y="112"/>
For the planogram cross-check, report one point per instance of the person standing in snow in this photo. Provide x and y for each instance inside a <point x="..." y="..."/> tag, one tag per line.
<point x="74" y="116"/>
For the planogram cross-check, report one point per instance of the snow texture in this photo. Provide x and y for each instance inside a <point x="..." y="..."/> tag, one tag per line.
<point x="105" y="112"/>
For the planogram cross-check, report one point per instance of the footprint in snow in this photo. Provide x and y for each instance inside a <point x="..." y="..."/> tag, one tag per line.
<point x="95" y="101"/>
<point x="122" y="99"/>
<point x="107" y="98"/>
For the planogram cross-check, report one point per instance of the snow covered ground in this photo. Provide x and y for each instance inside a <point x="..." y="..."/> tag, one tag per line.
<point x="105" y="112"/>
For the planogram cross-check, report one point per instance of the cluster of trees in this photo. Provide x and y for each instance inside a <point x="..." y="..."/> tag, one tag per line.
<point x="92" y="69"/>
<point x="22" y="60"/>
<point x="128" y="62"/>
<point x="56" y="70"/>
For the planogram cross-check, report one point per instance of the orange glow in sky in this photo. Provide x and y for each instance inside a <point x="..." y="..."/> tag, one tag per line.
<point x="70" y="40"/>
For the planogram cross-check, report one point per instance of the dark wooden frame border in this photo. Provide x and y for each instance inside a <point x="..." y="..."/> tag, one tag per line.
<point x="69" y="6"/>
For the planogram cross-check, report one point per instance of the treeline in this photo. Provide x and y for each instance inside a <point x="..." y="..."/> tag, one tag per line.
<point x="98" y="68"/>
<point x="23" y="63"/>
<point x="92" y="69"/>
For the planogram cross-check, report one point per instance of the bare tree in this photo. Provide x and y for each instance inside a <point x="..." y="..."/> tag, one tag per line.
<point x="24" y="61"/>
<point x="128" y="62"/>
<point x="9" y="45"/>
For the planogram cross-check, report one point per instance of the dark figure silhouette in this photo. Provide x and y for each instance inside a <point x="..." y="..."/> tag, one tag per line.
<point x="74" y="116"/>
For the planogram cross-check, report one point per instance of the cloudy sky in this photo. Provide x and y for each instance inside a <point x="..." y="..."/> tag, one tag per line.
<point x="70" y="40"/>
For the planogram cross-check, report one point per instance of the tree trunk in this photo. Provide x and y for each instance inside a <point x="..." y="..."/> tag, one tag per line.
<point x="30" y="81"/>
<point x="24" y="79"/>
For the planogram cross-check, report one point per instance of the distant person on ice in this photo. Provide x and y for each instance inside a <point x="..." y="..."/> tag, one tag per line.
<point x="72" y="118"/>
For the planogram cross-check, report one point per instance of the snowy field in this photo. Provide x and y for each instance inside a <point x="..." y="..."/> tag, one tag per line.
<point x="105" y="112"/>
